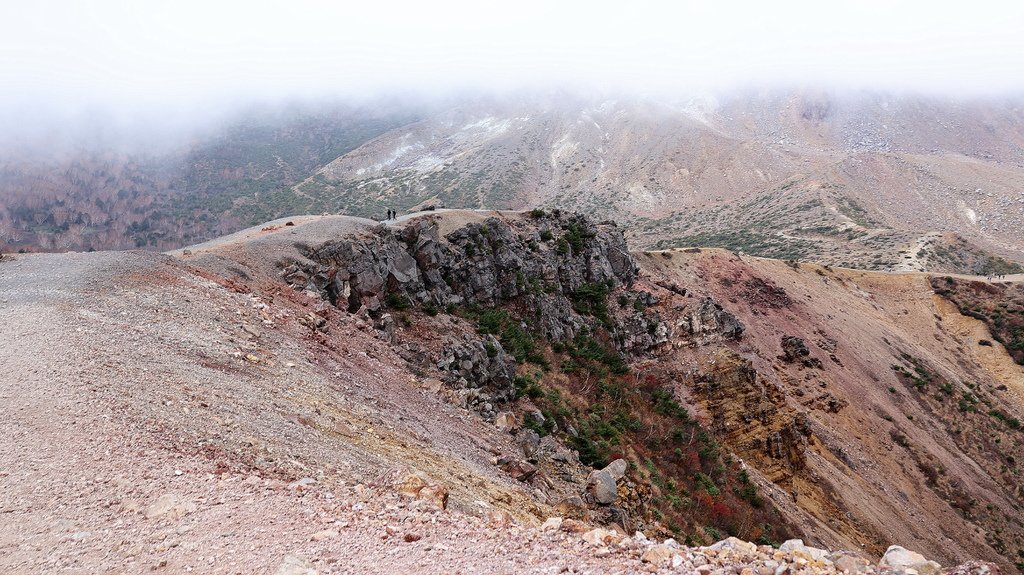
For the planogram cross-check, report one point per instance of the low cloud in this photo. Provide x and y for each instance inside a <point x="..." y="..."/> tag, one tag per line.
<point x="190" y="60"/>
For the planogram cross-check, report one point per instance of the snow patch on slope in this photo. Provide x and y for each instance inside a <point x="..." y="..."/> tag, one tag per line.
<point x="490" y="125"/>
<point x="401" y="150"/>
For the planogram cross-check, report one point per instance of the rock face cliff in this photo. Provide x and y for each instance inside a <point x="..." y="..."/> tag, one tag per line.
<point x="556" y="284"/>
<point x="752" y="416"/>
<point x="484" y="264"/>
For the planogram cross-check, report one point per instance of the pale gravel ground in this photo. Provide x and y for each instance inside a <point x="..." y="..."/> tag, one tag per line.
<point x="119" y="386"/>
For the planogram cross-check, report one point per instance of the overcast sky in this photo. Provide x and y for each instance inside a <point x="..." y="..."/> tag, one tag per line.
<point x="147" y="54"/>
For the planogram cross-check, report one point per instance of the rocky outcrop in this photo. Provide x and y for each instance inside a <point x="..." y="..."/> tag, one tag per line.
<point x="541" y="262"/>
<point x="642" y="332"/>
<point x="474" y="361"/>
<point x="794" y="350"/>
<point x="752" y="417"/>
<point x="708" y="321"/>
<point x="557" y="268"/>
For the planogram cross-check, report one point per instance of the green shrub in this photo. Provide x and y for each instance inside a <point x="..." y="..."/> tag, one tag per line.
<point x="397" y="301"/>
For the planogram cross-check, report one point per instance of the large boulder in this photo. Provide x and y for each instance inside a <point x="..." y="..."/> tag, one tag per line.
<point x="735" y="545"/>
<point x="658" y="555"/>
<point x="797" y="548"/>
<point x="900" y="559"/>
<point x="601" y="485"/>
<point x="617" y="469"/>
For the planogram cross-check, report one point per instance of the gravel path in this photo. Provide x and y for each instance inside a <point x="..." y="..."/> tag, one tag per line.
<point x="151" y="419"/>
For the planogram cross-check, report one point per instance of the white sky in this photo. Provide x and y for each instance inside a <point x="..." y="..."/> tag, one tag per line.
<point x="161" y="53"/>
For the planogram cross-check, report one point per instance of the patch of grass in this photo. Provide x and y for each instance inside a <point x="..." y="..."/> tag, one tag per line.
<point x="1011" y="422"/>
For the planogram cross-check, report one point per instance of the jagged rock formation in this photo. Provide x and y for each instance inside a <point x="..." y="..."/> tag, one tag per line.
<point x="795" y="350"/>
<point x="479" y="266"/>
<point x="709" y="321"/>
<point x="474" y="362"/>
<point x="752" y="417"/>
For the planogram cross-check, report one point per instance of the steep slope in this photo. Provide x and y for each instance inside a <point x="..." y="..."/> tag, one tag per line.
<point x="904" y="412"/>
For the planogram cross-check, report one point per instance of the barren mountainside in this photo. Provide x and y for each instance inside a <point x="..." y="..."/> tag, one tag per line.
<point x="866" y="180"/>
<point x="318" y="392"/>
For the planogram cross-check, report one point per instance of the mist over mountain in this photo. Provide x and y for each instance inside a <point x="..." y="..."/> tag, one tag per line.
<point x="709" y="287"/>
<point x="897" y="128"/>
<point x="859" y="179"/>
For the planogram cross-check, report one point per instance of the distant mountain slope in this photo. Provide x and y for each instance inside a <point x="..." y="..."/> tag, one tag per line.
<point x="99" y="198"/>
<point x="855" y="180"/>
<point x="864" y="180"/>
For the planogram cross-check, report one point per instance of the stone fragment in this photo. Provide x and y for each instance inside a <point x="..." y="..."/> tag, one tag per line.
<point x="735" y="544"/>
<point x="170" y="505"/>
<point x="850" y="563"/>
<point x="418" y="486"/>
<point x="552" y="524"/>
<point x="303" y="484"/>
<point x="517" y="468"/>
<point x="658" y="555"/>
<point x="598" y="537"/>
<point x="436" y="494"/>
<point x="528" y="441"/>
<point x="292" y="565"/>
<point x="505" y="421"/>
<point x="324" y="535"/>
<point x="797" y="548"/>
<point x="499" y="518"/>
<point x="573" y="526"/>
<point x="571" y="505"/>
